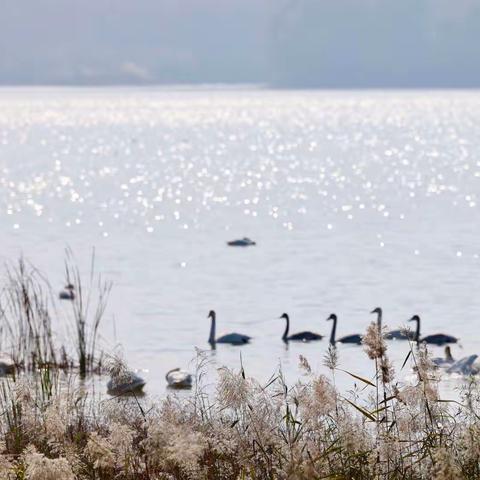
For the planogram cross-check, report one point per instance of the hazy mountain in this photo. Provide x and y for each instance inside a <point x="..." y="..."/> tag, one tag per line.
<point x="335" y="43"/>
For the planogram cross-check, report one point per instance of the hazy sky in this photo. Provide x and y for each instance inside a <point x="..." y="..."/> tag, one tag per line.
<point x="298" y="43"/>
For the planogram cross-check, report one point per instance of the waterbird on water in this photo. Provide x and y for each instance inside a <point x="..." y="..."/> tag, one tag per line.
<point x="392" y="334"/>
<point x="68" y="293"/>
<point x="7" y="364"/>
<point x="231" y="338"/>
<point x="242" y="242"/>
<point x="435" y="339"/>
<point x="301" y="336"/>
<point x="121" y="386"/>
<point x="444" y="361"/>
<point x="463" y="366"/>
<point x="355" y="338"/>
<point x="177" y="378"/>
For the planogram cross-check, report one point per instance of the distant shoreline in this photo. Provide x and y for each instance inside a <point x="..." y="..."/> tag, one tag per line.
<point x="234" y="87"/>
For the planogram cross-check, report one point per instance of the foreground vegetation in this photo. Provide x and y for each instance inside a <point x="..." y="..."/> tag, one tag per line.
<point x="53" y="428"/>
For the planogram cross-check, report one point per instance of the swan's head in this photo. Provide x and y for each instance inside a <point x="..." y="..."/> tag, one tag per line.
<point x="415" y="318"/>
<point x="284" y="315"/>
<point x="211" y="314"/>
<point x="332" y="317"/>
<point x="377" y="310"/>
<point x="69" y="287"/>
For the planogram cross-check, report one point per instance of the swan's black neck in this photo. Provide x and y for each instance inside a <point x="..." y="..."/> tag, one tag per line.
<point x="287" y="327"/>
<point x="379" y="320"/>
<point x="448" y="354"/>
<point x="417" y="332"/>
<point x="211" y="338"/>
<point x="334" y="330"/>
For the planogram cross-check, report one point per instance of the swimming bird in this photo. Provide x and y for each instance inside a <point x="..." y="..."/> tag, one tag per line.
<point x="301" y="336"/>
<point x="68" y="293"/>
<point x="465" y="366"/>
<point x="355" y="338"/>
<point x="243" y="242"/>
<point x="392" y="334"/>
<point x="7" y="364"/>
<point x="130" y="384"/>
<point x="178" y="378"/>
<point x="231" y="338"/>
<point x="444" y="361"/>
<point x="436" y="339"/>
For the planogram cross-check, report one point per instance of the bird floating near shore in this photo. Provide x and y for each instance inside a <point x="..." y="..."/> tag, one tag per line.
<point x="231" y="338"/>
<point x="435" y="339"/>
<point x="301" y="336"/>
<point x="177" y="378"/>
<point x="242" y="242"/>
<point x="68" y="293"/>
<point x="132" y="383"/>
<point x="355" y="338"/>
<point x="7" y="365"/>
<point x="444" y="361"/>
<point x="463" y="366"/>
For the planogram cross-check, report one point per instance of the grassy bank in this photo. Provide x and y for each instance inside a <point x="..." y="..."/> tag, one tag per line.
<point x="29" y="309"/>
<point x="380" y="430"/>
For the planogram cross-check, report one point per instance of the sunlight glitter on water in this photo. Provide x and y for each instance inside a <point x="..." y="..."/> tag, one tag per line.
<point x="355" y="199"/>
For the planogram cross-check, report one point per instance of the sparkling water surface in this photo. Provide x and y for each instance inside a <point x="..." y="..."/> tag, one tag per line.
<point x="355" y="199"/>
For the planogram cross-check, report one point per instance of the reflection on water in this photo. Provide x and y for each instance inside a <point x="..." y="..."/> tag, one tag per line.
<point x="355" y="200"/>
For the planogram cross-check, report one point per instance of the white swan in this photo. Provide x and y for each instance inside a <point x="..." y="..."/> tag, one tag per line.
<point x="231" y="338"/>
<point x="464" y="366"/>
<point x="177" y="378"/>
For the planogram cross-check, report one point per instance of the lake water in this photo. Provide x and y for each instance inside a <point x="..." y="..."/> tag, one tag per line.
<point x="356" y="200"/>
